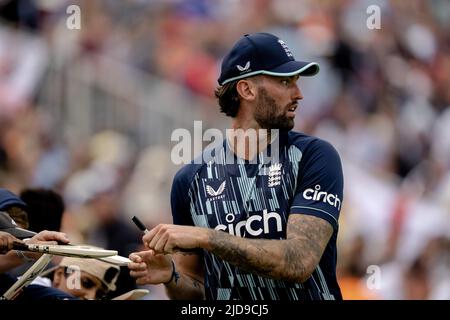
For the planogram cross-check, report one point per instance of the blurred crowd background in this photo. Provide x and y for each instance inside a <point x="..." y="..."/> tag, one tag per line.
<point x="89" y="113"/>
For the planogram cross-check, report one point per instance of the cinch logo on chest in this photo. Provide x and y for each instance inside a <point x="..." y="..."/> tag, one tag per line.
<point x="249" y="224"/>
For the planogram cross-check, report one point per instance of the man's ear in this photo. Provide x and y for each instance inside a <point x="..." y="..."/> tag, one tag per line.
<point x="247" y="89"/>
<point x="58" y="277"/>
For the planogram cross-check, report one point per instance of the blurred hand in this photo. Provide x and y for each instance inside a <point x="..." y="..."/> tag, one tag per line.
<point x="150" y="268"/>
<point x="46" y="237"/>
<point x="6" y="241"/>
<point x="49" y="237"/>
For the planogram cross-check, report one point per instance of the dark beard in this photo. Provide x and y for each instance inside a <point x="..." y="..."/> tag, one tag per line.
<point x="269" y="115"/>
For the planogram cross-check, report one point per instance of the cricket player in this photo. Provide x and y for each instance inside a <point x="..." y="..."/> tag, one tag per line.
<point x="253" y="223"/>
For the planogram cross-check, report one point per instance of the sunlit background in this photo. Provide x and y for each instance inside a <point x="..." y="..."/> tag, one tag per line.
<point x="89" y="112"/>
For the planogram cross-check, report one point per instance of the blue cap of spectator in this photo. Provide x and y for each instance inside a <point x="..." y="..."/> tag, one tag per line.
<point x="9" y="199"/>
<point x="7" y="224"/>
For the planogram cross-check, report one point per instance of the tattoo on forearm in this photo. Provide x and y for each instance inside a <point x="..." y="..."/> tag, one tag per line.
<point x="313" y="234"/>
<point x="239" y="254"/>
<point x="196" y="284"/>
<point x="186" y="288"/>
<point x="290" y="259"/>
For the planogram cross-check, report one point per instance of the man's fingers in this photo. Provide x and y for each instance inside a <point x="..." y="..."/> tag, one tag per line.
<point x="139" y="258"/>
<point x="138" y="274"/>
<point x="6" y="242"/>
<point x="150" y="235"/>
<point x="51" y="236"/>
<point x="161" y="243"/>
<point x="60" y="237"/>
<point x="142" y="281"/>
<point x="135" y="257"/>
<point x="170" y="248"/>
<point x="52" y="243"/>
<point x="146" y="255"/>
<point x="156" y="236"/>
<point x="4" y="246"/>
<point x="137" y="266"/>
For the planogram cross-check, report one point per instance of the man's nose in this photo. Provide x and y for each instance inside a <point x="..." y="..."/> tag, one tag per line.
<point x="297" y="93"/>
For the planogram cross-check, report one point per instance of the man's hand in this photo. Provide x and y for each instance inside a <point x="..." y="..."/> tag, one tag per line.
<point x="169" y="238"/>
<point x="46" y="237"/>
<point x="49" y="237"/>
<point x="6" y="242"/>
<point x="150" y="268"/>
<point x="155" y="266"/>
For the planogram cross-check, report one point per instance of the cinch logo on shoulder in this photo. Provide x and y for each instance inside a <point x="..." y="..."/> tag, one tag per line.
<point x="317" y="195"/>
<point x="249" y="224"/>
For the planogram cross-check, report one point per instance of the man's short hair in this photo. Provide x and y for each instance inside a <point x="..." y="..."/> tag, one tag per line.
<point x="228" y="98"/>
<point x="19" y="216"/>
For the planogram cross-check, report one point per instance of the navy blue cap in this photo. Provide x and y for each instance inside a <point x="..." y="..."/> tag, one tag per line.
<point x="9" y="199"/>
<point x="262" y="53"/>
<point x="7" y="224"/>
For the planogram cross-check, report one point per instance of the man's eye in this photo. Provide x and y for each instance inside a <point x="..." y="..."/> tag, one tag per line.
<point x="284" y="82"/>
<point x="87" y="283"/>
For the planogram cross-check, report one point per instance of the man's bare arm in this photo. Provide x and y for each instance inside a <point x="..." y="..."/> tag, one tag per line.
<point x="293" y="259"/>
<point x="190" y="284"/>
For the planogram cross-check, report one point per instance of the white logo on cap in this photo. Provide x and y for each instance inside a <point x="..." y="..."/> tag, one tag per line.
<point x="245" y="68"/>
<point x="286" y="49"/>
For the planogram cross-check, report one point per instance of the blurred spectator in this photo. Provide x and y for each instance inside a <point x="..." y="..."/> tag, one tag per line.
<point x="145" y="195"/>
<point x="21" y="12"/>
<point x="352" y="272"/>
<point x="96" y="278"/>
<point x="14" y="207"/>
<point x="36" y="210"/>
<point x="23" y="59"/>
<point x="111" y="231"/>
<point x="45" y="209"/>
<point x="424" y="277"/>
<point x="94" y="196"/>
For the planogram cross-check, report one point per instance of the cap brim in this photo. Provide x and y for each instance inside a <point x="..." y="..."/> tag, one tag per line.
<point x="20" y="233"/>
<point x="292" y="68"/>
<point x="49" y="271"/>
<point x="288" y="69"/>
<point x="132" y="295"/>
